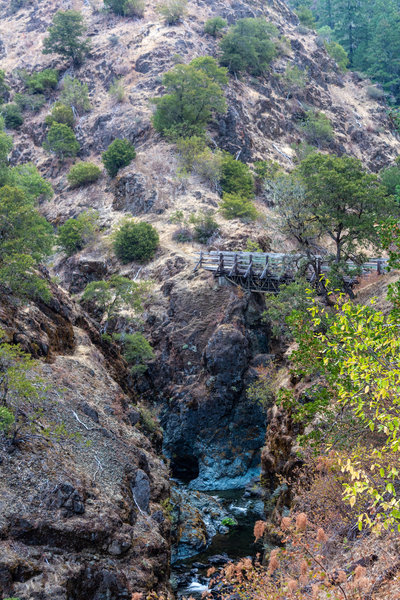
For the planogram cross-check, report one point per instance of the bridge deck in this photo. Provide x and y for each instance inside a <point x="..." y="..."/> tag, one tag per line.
<point x="266" y="271"/>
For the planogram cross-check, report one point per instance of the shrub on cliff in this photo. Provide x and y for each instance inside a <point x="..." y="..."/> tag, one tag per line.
<point x="172" y="10"/>
<point x="13" y="118"/>
<point x="317" y="128"/>
<point x="136" y="241"/>
<point x="75" y="94"/>
<point x="75" y="234"/>
<point x="234" y="206"/>
<point x="60" y="113"/>
<point x="236" y="177"/>
<point x="4" y="88"/>
<point x="83" y="173"/>
<point x="129" y="8"/>
<point x="43" y="81"/>
<point x="194" y="94"/>
<point x="214" y="26"/>
<point x="137" y="351"/>
<point x="118" y="155"/>
<point x="66" y="36"/>
<point x="249" y="46"/>
<point x="62" y="141"/>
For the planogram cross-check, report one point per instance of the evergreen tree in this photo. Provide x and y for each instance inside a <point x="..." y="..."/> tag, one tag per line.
<point x="194" y="94"/>
<point x="66" y="36"/>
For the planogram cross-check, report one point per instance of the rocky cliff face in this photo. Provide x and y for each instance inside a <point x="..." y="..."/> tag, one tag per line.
<point x="84" y="517"/>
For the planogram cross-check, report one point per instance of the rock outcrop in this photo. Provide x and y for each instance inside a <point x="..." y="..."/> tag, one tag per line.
<point x="81" y="517"/>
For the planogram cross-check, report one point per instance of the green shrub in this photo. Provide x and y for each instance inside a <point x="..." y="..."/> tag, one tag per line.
<point x="117" y="91"/>
<point x="306" y="17"/>
<point x="204" y="226"/>
<point x="248" y="46"/>
<point x="7" y="419"/>
<point x="31" y="102"/>
<point x="13" y="118"/>
<point x="137" y="351"/>
<point x="134" y="8"/>
<point x="27" y="178"/>
<point x="214" y="26"/>
<point x="317" y="128"/>
<point x="390" y="178"/>
<point x="172" y="10"/>
<point x="189" y="148"/>
<point x="295" y="78"/>
<point x="194" y="94"/>
<point x="266" y="169"/>
<point x="83" y="173"/>
<point x="62" y="141"/>
<point x="75" y="234"/>
<point x="66" y="36"/>
<point x="338" y="53"/>
<point x="117" y="6"/>
<point x="43" y="81"/>
<point x="136" y="241"/>
<point x="4" y="88"/>
<point x="236" y="177"/>
<point x="234" y="206"/>
<point x="118" y="155"/>
<point x="208" y="165"/>
<point x="60" y="114"/>
<point x="75" y="94"/>
<point x="302" y="150"/>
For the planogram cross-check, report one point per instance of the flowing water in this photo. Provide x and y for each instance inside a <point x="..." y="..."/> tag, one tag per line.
<point x="239" y="542"/>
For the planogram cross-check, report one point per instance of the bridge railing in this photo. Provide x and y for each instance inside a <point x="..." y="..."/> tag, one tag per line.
<point x="271" y="264"/>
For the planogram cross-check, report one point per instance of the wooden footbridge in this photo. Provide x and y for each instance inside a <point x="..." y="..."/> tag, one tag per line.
<point x="266" y="272"/>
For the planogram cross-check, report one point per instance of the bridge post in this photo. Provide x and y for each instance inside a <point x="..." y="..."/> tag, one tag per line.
<point x="379" y="267"/>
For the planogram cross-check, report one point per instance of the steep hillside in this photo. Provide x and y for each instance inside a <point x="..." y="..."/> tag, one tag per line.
<point x="191" y="324"/>
<point x="90" y="521"/>
<point x="82" y="516"/>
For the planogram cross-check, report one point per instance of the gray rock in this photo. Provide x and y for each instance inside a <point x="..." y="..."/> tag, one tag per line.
<point x="141" y="490"/>
<point x="131" y="193"/>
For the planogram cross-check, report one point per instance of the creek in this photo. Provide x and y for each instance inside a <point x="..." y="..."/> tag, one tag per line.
<point x="189" y="574"/>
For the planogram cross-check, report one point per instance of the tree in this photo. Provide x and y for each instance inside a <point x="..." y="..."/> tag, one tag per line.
<point x="194" y="94"/>
<point x="66" y="36"/>
<point x="62" y="141"/>
<point x="346" y="202"/>
<point x="119" y="154"/>
<point x="248" y="46"/>
<point x="116" y="294"/>
<point x="26" y="238"/>
<point x="75" y="234"/>
<point x="351" y="353"/>
<point x="136" y="241"/>
<point x="28" y="179"/>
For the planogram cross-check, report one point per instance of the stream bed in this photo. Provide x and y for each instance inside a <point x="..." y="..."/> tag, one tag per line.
<point x="189" y="574"/>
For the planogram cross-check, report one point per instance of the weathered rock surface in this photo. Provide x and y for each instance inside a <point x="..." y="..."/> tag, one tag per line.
<point x="75" y="516"/>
